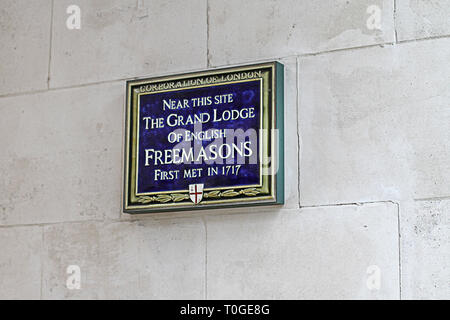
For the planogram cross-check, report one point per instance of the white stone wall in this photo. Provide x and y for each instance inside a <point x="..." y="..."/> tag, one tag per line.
<point x="367" y="151"/>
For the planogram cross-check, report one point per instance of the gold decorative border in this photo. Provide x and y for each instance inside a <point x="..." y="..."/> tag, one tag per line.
<point x="177" y="197"/>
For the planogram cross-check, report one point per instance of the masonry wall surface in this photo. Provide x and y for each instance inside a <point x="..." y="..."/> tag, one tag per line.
<point x="367" y="103"/>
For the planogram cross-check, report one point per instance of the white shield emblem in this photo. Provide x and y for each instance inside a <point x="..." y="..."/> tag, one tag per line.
<point x="196" y="192"/>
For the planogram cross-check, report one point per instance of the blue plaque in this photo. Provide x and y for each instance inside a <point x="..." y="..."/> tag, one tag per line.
<point x="206" y="139"/>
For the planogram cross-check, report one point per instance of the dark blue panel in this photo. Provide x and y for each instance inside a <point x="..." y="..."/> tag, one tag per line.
<point x="245" y="95"/>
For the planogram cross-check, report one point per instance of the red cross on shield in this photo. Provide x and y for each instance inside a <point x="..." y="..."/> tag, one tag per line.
<point x="196" y="192"/>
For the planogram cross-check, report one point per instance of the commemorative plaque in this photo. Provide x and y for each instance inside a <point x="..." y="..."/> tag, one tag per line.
<point x="205" y="140"/>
